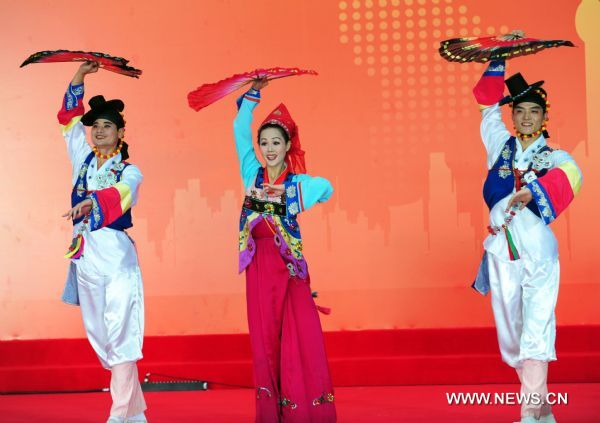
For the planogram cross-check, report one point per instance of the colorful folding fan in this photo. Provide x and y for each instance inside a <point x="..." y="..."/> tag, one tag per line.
<point x="501" y="47"/>
<point x="209" y="93"/>
<point x="108" y="62"/>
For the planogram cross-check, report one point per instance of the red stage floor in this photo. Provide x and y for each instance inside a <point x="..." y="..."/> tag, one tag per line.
<point x="355" y="405"/>
<point x="398" y="357"/>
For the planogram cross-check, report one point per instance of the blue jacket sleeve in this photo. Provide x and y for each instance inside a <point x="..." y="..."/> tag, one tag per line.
<point x="242" y="130"/>
<point x="305" y="191"/>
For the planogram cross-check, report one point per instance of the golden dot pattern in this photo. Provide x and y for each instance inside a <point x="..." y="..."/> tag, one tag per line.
<point x="397" y="42"/>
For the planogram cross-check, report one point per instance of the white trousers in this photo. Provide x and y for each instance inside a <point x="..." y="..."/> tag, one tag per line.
<point x="524" y="294"/>
<point x="112" y="307"/>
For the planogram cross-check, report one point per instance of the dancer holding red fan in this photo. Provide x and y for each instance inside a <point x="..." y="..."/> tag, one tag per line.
<point x="528" y="185"/>
<point x="104" y="276"/>
<point x="291" y="372"/>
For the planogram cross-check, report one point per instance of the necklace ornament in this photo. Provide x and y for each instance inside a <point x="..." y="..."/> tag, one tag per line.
<point x="110" y="155"/>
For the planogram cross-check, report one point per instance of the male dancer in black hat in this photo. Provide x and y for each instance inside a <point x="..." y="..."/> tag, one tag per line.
<point x="104" y="276"/>
<point x="528" y="185"/>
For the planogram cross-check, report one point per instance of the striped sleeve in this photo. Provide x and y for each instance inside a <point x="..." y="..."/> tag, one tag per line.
<point x="251" y="95"/>
<point x="488" y="92"/>
<point x="73" y="131"/>
<point x="111" y="203"/>
<point x="554" y="191"/>
<point x="72" y="107"/>
<point x="490" y="88"/>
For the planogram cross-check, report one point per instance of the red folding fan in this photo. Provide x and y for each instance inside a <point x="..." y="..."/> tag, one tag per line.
<point x="207" y="94"/>
<point x="108" y="62"/>
<point x="501" y="47"/>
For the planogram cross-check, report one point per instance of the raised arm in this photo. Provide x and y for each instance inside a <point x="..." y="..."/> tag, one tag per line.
<point x="242" y="130"/>
<point x="488" y="92"/>
<point x="69" y="116"/>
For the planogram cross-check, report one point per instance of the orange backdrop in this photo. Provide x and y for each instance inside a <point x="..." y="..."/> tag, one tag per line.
<point x="393" y="127"/>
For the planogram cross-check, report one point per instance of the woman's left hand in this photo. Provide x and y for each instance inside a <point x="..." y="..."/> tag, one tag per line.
<point x="79" y="210"/>
<point x="273" y="190"/>
<point x="260" y="83"/>
<point x="524" y="196"/>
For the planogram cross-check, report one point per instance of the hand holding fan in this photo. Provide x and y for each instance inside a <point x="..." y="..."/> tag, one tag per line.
<point x="106" y="61"/>
<point x="207" y="94"/>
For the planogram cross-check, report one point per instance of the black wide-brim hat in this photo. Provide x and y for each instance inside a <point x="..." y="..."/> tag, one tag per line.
<point x="102" y="109"/>
<point x="519" y="89"/>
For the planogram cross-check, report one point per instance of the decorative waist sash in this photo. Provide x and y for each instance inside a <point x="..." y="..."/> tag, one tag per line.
<point x="268" y="207"/>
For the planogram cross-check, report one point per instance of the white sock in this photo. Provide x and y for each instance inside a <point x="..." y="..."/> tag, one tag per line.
<point x="137" y="418"/>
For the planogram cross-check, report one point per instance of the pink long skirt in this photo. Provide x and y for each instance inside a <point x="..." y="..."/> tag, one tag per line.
<point x="291" y="373"/>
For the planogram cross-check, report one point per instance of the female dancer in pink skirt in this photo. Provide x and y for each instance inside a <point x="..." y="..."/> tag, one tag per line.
<point x="291" y="373"/>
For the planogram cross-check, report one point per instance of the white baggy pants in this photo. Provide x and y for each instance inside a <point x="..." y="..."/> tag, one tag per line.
<point x="112" y="307"/>
<point x="524" y="294"/>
